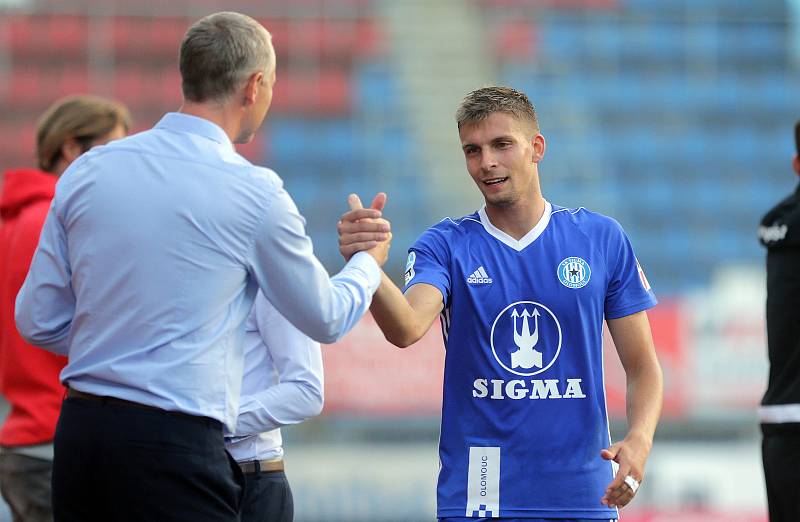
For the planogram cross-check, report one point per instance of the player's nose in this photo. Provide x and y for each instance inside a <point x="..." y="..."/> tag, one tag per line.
<point x="488" y="162"/>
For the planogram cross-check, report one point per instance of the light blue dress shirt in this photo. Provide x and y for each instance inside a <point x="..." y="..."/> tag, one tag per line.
<point x="283" y="383"/>
<point x="149" y="262"/>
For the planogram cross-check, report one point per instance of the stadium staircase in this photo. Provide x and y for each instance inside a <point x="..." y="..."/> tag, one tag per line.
<point x="438" y="48"/>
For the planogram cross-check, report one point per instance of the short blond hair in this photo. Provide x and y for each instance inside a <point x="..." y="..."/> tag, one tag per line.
<point x="482" y="103"/>
<point x="82" y="118"/>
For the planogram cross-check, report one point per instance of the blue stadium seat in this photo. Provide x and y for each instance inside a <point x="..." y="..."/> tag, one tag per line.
<point x="375" y="88"/>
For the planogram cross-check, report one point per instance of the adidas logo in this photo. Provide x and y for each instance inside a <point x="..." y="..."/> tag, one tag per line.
<point x="479" y="276"/>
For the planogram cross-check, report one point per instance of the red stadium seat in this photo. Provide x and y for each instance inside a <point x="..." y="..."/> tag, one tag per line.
<point x="278" y="28"/>
<point x="370" y="41"/>
<point x="129" y="86"/>
<point x="169" y="81"/>
<point x="325" y="38"/>
<point x="334" y="91"/>
<point x="124" y="35"/>
<point x="207" y="6"/>
<point x="8" y="143"/>
<point x="358" y="38"/>
<point x="558" y="4"/>
<point x="67" y="34"/>
<point x="314" y="93"/>
<point x="48" y="36"/>
<point x="148" y="89"/>
<point x="26" y="86"/>
<point x="26" y="138"/>
<point x="165" y="35"/>
<point x="19" y="34"/>
<point x="135" y="36"/>
<point x="71" y="81"/>
<point x="18" y="143"/>
<point x="514" y="40"/>
<point x="36" y="86"/>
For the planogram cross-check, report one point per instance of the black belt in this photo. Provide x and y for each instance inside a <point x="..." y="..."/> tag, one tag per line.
<point x="104" y="399"/>
<point x="256" y="466"/>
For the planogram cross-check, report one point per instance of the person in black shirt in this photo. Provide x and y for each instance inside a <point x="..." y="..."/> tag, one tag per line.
<point x="780" y="408"/>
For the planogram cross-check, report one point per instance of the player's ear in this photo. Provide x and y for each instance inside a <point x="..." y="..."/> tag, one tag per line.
<point x="539" y="146"/>
<point x="796" y="165"/>
<point x="251" y="88"/>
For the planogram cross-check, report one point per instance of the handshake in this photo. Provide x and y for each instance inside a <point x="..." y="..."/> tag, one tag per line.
<point x="364" y="230"/>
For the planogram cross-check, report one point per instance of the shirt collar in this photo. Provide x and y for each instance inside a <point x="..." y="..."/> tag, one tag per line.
<point x="180" y="122"/>
<point x="524" y="241"/>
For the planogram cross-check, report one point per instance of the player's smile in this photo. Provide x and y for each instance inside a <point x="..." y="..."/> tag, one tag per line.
<point x="495" y="182"/>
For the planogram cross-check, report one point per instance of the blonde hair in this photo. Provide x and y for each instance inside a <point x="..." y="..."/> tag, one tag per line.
<point x="82" y="118"/>
<point x="481" y="103"/>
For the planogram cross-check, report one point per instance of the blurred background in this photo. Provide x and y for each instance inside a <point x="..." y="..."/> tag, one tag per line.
<point x="673" y="116"/>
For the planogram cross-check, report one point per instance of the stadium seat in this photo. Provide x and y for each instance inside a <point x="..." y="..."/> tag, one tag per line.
<point x="25" y="86"/>
<point x="130" y="86"/>
<point x="515" y="40"/>
<point x="48" y="36"/>
<point x="147" y="38"/>
<point x="71" y="81"/>
<point x="326" y="92"/>
<point x="343" y="40"/>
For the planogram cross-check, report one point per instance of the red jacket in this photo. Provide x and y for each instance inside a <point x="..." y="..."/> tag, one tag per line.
<point x="28" y="375"/>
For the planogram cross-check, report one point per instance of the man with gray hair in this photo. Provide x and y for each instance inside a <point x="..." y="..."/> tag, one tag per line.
<point x="147" y="267"/>
<point x="523" y="287"/>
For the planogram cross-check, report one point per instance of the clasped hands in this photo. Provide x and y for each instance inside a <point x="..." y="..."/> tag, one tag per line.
<point x="364" y="230"/>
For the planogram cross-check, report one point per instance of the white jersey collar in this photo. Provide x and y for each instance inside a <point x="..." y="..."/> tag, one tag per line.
<point x="525" y="240"/>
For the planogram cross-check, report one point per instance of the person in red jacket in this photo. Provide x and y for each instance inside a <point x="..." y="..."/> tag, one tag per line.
<point x="29" y="376"/>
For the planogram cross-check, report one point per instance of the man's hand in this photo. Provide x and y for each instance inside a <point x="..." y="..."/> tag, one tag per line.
<point x="631" y="454"/>
<point x="362" y="229"/>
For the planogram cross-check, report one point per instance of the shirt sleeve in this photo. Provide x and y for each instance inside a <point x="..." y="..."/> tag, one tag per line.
<point x="428" y="262"/>
<point x="295" y="282"/>
<point x="628" y="288"/>
<point x="298" y="363"/>
<point x="45" y="304"/>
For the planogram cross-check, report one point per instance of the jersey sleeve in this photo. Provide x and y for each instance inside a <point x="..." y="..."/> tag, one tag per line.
<point x="428" y="262"/>
<point x="628" y="289"/>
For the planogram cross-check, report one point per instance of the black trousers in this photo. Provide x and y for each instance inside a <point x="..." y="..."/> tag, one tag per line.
<point x="780" y="451"/>
<point x="267" y="498"/>
<point x="121" y="463"/>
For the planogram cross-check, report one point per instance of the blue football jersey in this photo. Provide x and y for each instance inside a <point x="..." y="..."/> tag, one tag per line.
<point x="524" y="411"/>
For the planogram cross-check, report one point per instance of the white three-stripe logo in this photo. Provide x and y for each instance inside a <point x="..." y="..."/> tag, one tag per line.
<point x="479" y="276"/>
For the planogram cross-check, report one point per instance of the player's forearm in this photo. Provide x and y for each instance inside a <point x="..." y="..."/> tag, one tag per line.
<point x="634" y="343"/>
<point x="644" y="399"/>
<point x="394" y="315"/>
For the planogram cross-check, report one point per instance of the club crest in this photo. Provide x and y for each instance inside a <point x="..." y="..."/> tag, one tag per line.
<point x="574" y="272"/>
